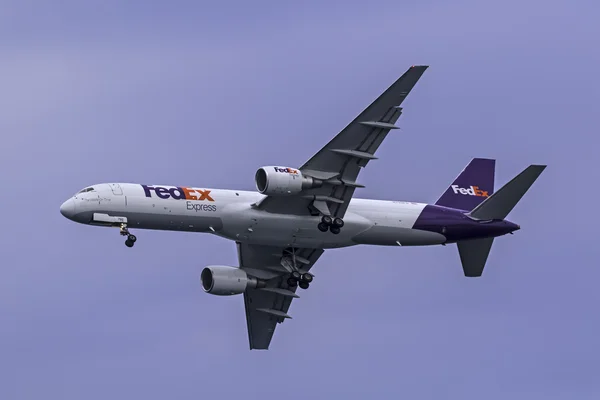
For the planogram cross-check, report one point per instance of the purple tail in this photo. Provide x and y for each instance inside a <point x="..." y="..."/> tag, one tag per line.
<point x="474" y="184"/>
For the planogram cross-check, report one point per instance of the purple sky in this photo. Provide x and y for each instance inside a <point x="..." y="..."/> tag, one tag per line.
<point x="203" y="94"/>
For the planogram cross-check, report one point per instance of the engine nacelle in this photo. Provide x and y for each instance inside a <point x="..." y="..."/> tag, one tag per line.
<point x="283" y="181"/>
<point x="223" y="280"/>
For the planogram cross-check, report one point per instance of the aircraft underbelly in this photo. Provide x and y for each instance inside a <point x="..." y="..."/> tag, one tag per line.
<point x="390" y="225"/>
<point x="245" y="224"/>
<point x="397" y="236"/>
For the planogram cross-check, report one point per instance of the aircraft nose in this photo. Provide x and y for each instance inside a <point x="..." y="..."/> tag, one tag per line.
<point x="67" y="209"/>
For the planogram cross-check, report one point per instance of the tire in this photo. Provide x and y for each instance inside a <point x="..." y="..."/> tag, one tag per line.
<point x="326" y="219"/>
<point x="307" y="278"/>
<point x="132" y="238"/>
<point x="323" y="227"/>
<point x="335" y="230"/>
<point x="292" y="282"/>
<point x="296" y="275"/>
<point x="338" y="222"/>
<point x="303" y="285"/>
<point x="128" y="243"/>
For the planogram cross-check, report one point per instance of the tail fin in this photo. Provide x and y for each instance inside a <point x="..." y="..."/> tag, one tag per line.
<point x="473" y="255"/>
<point x="498" y="205"/>
<point x="474" y="184"/>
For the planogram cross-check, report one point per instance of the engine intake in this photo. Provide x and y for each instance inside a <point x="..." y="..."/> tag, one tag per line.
<point x="223" y="280"/>
<point x="283" y="181"/>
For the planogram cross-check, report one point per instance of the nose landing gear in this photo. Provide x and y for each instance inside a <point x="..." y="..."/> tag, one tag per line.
<point x="130" y="238"/>
<point x="332" y="224"/>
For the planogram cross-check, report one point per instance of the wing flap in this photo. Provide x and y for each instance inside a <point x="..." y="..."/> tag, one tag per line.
<point x="283" y="292"/>
<point x="339" y="162"/>
<point x="380" y="124"/>
<point x="261" y="325"/>
<point x="373" y="123"/>
<point x="267" y="306"/>
<point x="363" y="155"/>
<point x="276" y="313"/>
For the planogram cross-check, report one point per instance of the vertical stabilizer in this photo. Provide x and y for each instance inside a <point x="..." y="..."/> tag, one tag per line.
<point x="474" y="184"/>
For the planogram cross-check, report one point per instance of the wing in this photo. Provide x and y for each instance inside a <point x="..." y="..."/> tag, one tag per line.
<point x="339" y="162"/>
<point x="268" y="306"/>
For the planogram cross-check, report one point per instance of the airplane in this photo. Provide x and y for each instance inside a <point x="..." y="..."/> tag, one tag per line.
<point x="283" y="228"/>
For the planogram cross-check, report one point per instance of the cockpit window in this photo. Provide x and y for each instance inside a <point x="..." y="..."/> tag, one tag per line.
<point x="90" y="189"/>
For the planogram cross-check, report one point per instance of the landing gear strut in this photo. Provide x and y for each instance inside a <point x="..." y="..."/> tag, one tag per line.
<point x="296" y="278"/>
<point x="130" y="238"/>
<point x="332" y="224"/>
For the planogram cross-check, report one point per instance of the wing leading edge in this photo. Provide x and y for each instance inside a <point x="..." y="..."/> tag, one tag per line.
<point x="339" y="162"/>
<point x="268" y="306"/>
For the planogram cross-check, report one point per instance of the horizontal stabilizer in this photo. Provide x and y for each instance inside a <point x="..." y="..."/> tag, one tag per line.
<point x="473" y="255"/>
<point x="501" y="203"/>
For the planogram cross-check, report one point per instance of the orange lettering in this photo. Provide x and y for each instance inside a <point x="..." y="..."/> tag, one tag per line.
<point x="188" y="194"/>
<point x="479" y="192"/>
<point x="205" y="195"/>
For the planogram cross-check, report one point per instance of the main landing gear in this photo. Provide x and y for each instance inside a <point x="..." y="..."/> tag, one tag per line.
<point x="130" y="238"/>
<point x="298" y="279"/>
<point x="332" y="224"/>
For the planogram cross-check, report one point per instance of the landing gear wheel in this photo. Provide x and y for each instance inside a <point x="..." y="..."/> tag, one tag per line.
<point x="335" y="230"/>
<point x="307" y="278"/>
<point x="303" y="285"/>
<point x="326" y="219"/>
<point x="338" y="222"/>
<point x="125" y="232"/>
<point x="296" y="275"/>
<point x="322" y="227"/>
<point x="292" y="282"/>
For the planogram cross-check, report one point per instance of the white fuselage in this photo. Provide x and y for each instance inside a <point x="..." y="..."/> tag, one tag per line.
<point x="231" y="214"/>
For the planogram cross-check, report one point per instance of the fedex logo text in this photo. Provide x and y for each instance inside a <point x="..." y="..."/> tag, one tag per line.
<point x="472" y="191"/>
<point x="286" y="170"/>
<point x="177" y="193"/>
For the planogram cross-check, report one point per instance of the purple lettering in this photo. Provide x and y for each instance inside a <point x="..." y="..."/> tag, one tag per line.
<point x="177" y="193"/>
<point x="162" y="192"/>
<point x="147" y="190"/>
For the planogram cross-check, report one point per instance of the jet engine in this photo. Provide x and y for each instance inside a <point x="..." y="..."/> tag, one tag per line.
<point x="283" y="181"/>
<point x="223" y="280"/>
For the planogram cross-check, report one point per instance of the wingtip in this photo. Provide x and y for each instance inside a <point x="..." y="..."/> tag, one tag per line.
<point x="420" y="66"/>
